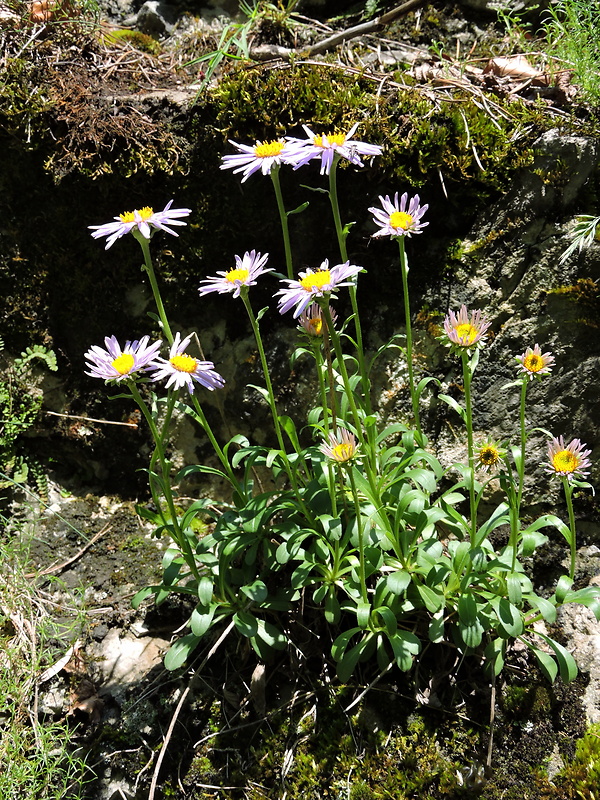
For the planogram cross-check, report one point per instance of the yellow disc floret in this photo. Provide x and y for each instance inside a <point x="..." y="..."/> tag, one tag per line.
<point x="332" y="138"/>
<point x="268" y="149"/>
<point x="129" y="216"/>
<point x="343" y="451"/>
<point x="316" y="324"/>
<point x="184" y="363"/>
<point x="565" y="461"/>
<point x="316" y="280"/>
<point x="533" y="362"/>
<point x="400" y="220"/>
<point x="237" y="275"/>
<point x="489" y="455"/>
<point x="466" y="333"/>
<point x="123" y="363"/>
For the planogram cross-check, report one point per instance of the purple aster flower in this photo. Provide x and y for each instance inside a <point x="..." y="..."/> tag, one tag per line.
<point x="325" y="147"/>
<point x="182" y="369"/>
<point x="315" y="283"/>
<point x="311" y="319"/>
<point x="117" y="363"/>
<point x="260" y="156"/>
<point x="463" y="330"/>
<point x="247" y="269"/>
<point x="144" y="220"/>
<point x="341" y="446"/>
<point x="569" y="461"/>
<point x="534" y="362"/>
<point x="396" y="218"/>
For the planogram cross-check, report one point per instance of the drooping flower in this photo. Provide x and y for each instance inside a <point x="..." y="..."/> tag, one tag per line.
<point x="489" y="455"/>
<point x="144" y="220"/>
<point x="534" y="363"/>
<point x="569" y="461"/>
<point x="463" y="330"/>
<point x="116" y="363"/>
<point x="247" y="269"/>
<point x="315" y="283"/>
<point x="399" y="217"/>
<point x="182" y="369"/>
<point x="325" y="147"/>
<point x="340" y="447"/>
<point x="311" y="319"/>
<point x="261" y="156"/>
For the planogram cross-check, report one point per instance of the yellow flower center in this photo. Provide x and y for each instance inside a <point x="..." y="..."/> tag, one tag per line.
<point x="342" y="451"/>
<point x="268" y="149"/>
<point x="533" y="362"/>
<point x="123" y="363"/>
<point x="489" y="455"/>
<point x="565" y="461"/>
<point x="332" y="138"/>
<point x="400" y="219"/>
<point x="183" y="363"/>
<point x="466" y="333"/>
<point x="237" y="275"/>
<point x="129" y="216"/>
<point x="316" y="280"/>
<point x="316" y="323"/>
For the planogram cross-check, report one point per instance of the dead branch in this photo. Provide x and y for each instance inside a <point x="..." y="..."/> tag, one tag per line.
<point x="267" y="52"/>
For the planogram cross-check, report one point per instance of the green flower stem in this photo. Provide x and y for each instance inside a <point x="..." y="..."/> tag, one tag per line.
<point x="470" y="449"/>
<point x="335" y="340"/>
<point x="359" y="526"/>
<point x="291" y="473"/>
<point x="512" y="494"/>
<point x="149" y="267"/>
<point x="341" y="237"/>
<point x="516" y="493"/>
<point x="573" y="541"/>
<point x="523" y="438"/>
<point x="167" y="329"/>
<point x="371" y="455"/>
<point x="201" y="417"/>
<point x="331" y="383"/>
<point x="335" y="208"/>
<point x="265" y="367"/>
<point x="316" y="347"/>
<point x="409" y="348"/>
<point x="159" y="455"/>
<point x="284" y="221"/>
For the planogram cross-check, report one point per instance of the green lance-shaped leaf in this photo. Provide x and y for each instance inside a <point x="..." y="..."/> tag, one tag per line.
<point x="510" y="618"/>
<point x="181" y="650"/>
<point x="471" y="629"/>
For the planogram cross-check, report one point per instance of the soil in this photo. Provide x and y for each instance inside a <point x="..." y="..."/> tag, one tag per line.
<point x="244" y="729"/>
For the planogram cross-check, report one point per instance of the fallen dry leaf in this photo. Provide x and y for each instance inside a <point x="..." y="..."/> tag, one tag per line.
<point x="516" y="67"/>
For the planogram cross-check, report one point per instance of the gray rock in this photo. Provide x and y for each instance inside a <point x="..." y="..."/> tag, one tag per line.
<point x="583" y="632"/>
<point x="156" y="19"/>
<point x="123" y="660"/>
<point x="511" y="266"/>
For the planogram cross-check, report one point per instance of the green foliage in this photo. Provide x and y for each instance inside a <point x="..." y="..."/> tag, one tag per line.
<point x="583" y="235"/>
<point x="316" y="751"/>
<point x="37" y="762"/>
<point x="19" y="407"/>
<point x="566" y="39"/>
<point x="572" y="37"/>
<point x="422" y="136"/>
<point x="234" y="42"/>
<point x="136" y="38"/>
<point x="580" y="778"/>
<point x="584" y="294"/>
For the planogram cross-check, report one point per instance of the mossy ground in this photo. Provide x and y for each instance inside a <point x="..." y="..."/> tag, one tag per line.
<point x="313" y="742"/>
